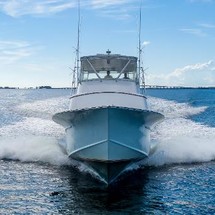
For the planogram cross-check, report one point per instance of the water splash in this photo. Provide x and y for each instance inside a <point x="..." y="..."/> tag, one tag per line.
<point x="33" y="149"/>
<point x="180" y="140"/>
<point x="183" y="150"/>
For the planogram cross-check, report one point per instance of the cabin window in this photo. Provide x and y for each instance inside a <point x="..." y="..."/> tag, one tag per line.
<point x="88" y="76"/>
<point x="128" y="75"/>
<point x="108" y="75"/>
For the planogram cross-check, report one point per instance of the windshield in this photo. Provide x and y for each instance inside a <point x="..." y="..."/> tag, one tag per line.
<point x="108" y="67"/>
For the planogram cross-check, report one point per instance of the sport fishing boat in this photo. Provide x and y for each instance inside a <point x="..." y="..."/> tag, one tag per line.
<point x="108" y="123"/>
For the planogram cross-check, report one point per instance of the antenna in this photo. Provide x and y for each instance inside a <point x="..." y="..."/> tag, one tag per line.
<point x="75" y="71"/>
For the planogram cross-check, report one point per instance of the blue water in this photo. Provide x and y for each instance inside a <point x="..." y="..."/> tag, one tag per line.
<point x="193" y="97"/>
<point x="38" y="178"/>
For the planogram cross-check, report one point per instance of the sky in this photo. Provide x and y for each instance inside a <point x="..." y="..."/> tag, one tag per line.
<point x="38" y="39"/>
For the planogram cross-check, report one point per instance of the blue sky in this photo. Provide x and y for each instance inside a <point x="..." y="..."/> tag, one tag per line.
<point x="37" y="39"/>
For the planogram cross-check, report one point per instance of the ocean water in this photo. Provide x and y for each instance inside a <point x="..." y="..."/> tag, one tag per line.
<point x="36" y="177"/>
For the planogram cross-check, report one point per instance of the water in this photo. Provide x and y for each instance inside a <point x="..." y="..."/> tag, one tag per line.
<point x="38" y="178"/>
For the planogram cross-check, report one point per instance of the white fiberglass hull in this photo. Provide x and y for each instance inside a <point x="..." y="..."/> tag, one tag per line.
<point x="108" y="139"/>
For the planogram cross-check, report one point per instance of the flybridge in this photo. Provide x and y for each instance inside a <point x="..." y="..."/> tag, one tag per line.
<point x="108" y="66"/>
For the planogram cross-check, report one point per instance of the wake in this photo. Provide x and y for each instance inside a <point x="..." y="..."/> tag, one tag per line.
<point x="35" y="138"/>
<point x="180" y="140"/>
<point x="33" y="149"/>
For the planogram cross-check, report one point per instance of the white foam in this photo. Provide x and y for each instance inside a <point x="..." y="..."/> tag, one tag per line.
<point x="183" y="150"/>
<point x="33" y="136"/>
<point x="172" y="109"/>
<point x="46" y="107"/>
<point x="32" y="126"/>
<point x="180" y="140"/>
<point x="33" y="149"/>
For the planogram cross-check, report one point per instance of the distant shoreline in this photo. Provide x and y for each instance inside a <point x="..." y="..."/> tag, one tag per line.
<point x="151" y="87"/>
<point x="33" y="88"/>
<point x="177" y="87"/>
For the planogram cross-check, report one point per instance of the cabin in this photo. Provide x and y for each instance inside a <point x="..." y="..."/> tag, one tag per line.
<point x="108" y="80"/>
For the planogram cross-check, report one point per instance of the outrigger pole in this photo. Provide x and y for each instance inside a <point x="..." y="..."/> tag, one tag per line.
<point x="78" y="42"/>
<point x="75" y="71"/>
<point x="139" y="40"/>
<point x="140" y="50"/>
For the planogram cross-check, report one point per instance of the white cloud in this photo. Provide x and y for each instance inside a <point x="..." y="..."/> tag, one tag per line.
<point x="207" y="25"/>
<point x="200" y="74"/>
<point x="108" y="8"/>
<point x="11" y="51"/>
<point x="203" y="1"/>
<point x="120" y="14"/>
<point x="200" y="30"/>
<point x="16" y="8"/>
<point x="107" y="3"/>
<point x="117" y="9"/>
<point x="146" y="43"/>
<point x="195" y="31"/>
<point x="189" y="68"/>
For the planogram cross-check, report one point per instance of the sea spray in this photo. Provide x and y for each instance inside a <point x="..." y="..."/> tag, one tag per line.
<point x="45" y="108"/>
<point x="172" y="109"/>
<point x="40" y="149"/>
<point x="180" y="140"/>
<point x="32" y="126"/>
<point x="183" y="150"/>
<point x="33" y="149"/>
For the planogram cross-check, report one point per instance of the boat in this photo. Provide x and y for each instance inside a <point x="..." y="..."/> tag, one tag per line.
<point x="108" y="122"/>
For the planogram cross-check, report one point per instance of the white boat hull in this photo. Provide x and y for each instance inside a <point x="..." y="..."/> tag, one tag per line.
<point x="108" y="139"/>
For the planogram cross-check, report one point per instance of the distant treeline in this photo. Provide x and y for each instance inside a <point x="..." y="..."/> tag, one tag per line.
<point x="49" y="87"/>
<point x="9" y="87"/>
<point x="40" y="87"/>
<point x="44" y="87"/>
